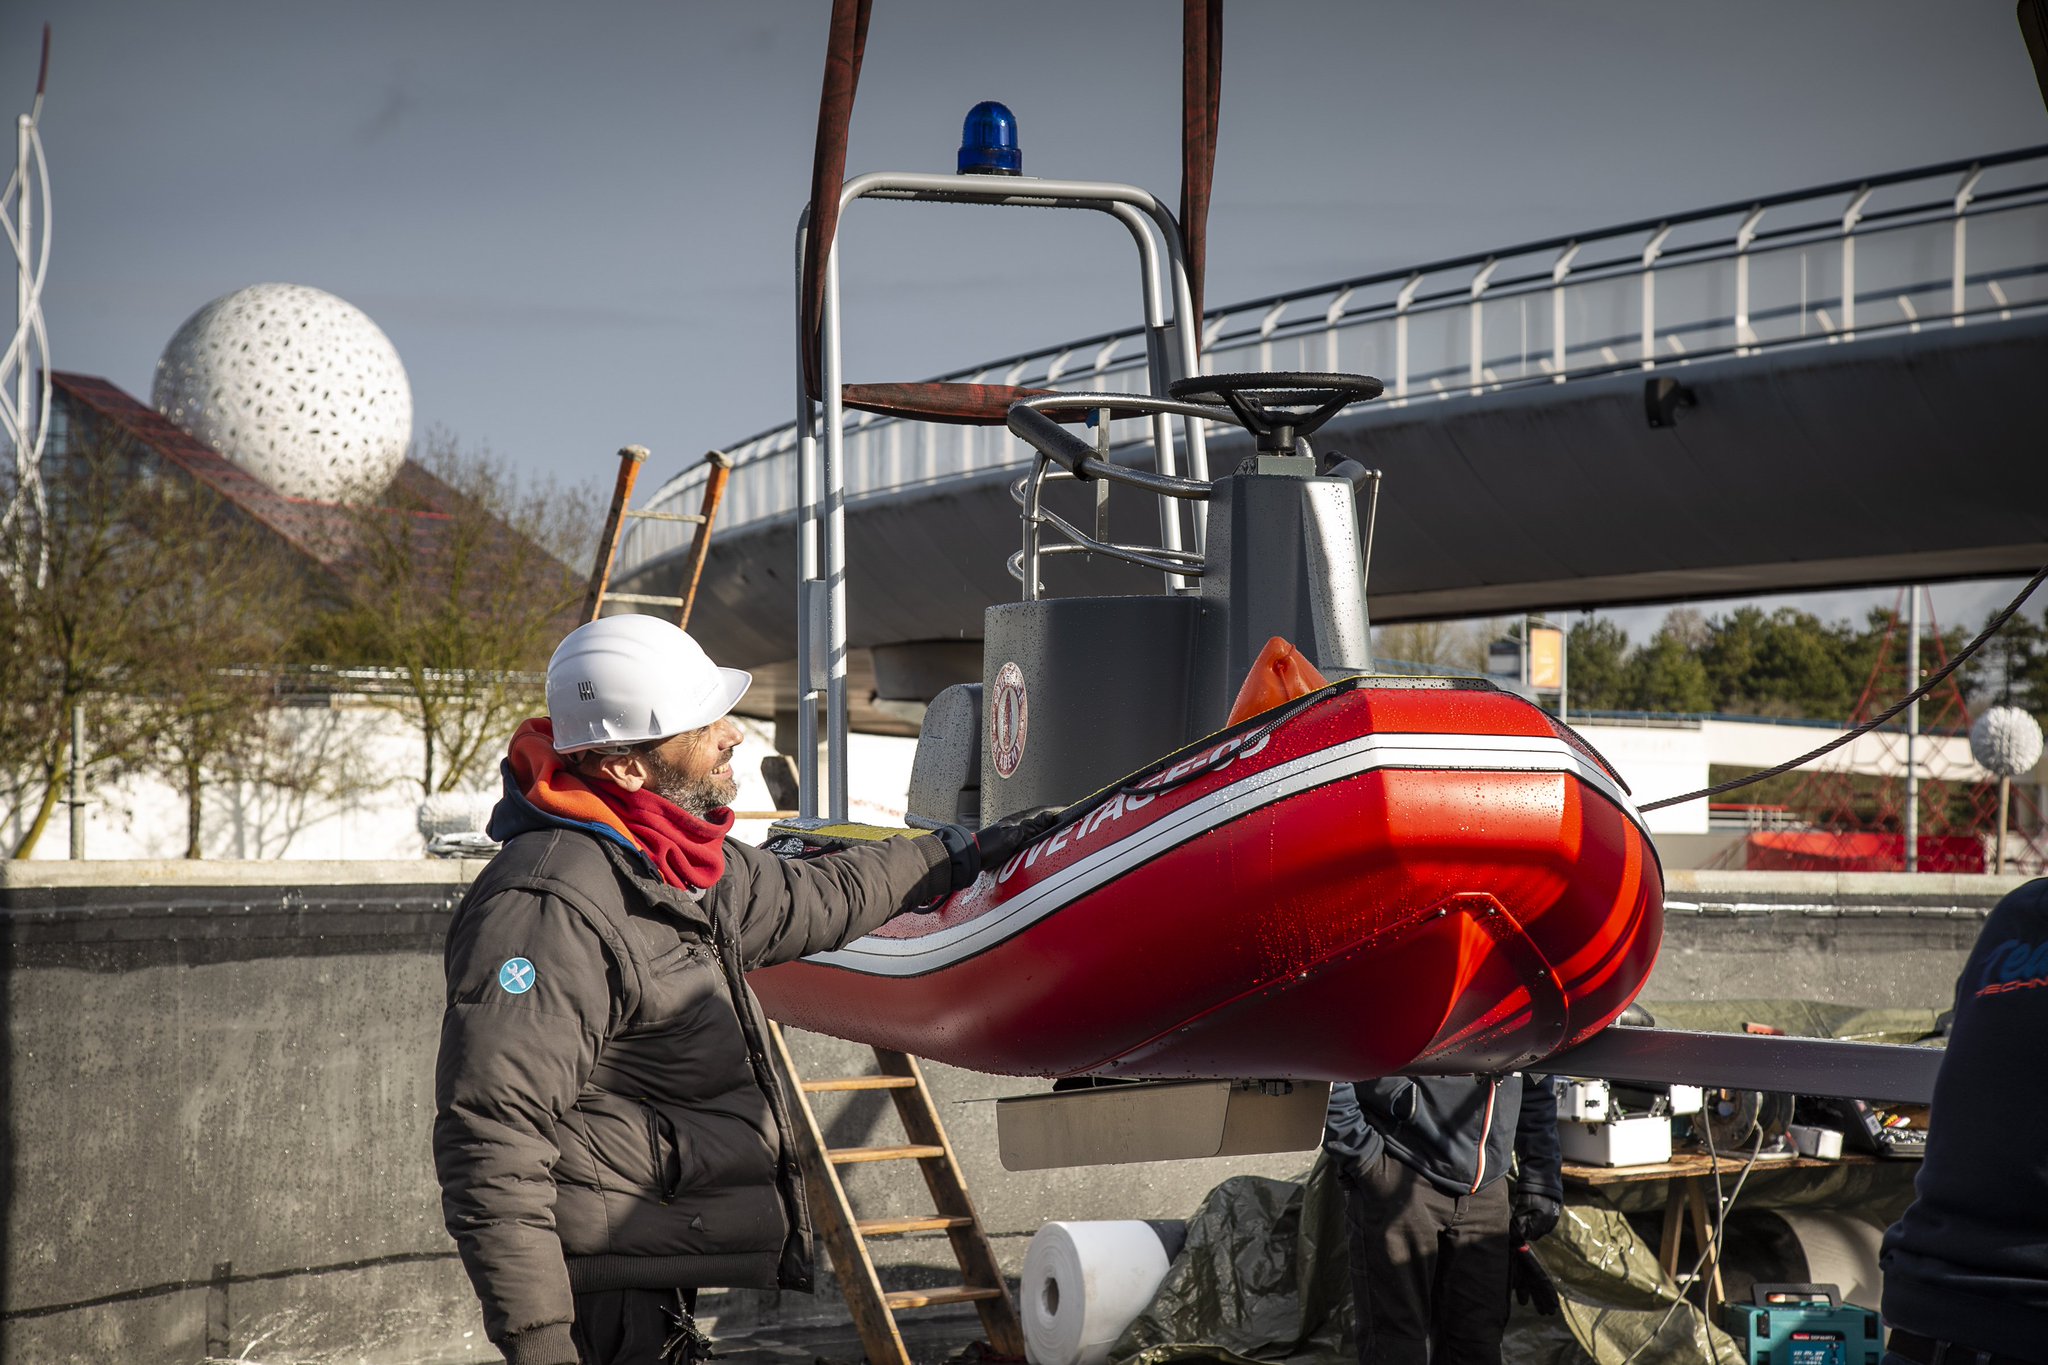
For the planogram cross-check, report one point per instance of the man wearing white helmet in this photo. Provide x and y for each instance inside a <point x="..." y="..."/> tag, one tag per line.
<point x="609" y="1134"/>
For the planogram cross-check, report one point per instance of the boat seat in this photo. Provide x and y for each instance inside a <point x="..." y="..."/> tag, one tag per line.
<point x="945" y="773"/>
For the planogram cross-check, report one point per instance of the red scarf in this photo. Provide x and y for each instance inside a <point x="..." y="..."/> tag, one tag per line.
<point x="688" y="850"/>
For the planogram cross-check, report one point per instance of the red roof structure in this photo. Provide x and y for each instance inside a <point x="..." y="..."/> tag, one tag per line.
<point x="322" y="531"/>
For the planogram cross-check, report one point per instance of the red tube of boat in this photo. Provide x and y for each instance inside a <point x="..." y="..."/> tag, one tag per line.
<point x="1389" y="874"/>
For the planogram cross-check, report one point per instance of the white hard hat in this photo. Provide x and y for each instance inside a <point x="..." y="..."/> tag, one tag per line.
<point x="629" y="679"/>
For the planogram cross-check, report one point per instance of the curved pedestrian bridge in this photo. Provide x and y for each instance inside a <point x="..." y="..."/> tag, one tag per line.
<point x="1826" y="388"/>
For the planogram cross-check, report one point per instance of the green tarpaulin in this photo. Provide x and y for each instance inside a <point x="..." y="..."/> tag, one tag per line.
<point x="1265" y="1275"/>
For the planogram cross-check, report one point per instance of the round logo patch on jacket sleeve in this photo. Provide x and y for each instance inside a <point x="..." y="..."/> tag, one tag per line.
<point x="516" y="976"/>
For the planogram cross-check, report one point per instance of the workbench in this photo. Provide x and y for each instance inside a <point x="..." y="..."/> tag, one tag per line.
<point x="1688" y="1178"/>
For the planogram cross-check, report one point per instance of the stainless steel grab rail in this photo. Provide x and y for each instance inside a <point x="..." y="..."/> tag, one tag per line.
<point x="1062" y="455"/>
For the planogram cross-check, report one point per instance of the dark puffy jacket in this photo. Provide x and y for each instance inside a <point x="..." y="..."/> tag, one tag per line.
<point x="1457" y="1132"/>
<point x="1968" y="1261"/>
<point x="606" y="1113"/>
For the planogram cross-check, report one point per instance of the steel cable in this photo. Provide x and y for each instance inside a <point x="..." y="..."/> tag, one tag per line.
<point x="1940" y="675"/>
<point x="1713" y="1248"/>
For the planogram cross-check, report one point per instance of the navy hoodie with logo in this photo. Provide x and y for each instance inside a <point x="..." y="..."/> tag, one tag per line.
<point x="1968" y="1262"/>
<point x="1456" y="1132"/>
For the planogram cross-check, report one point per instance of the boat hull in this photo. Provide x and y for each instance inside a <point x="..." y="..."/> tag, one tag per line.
<point x="1384" y="876"/>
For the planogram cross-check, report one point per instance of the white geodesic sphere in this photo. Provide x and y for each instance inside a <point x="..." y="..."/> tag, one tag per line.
<point x="296" y="386"/>
<point x="2006" y="741"/>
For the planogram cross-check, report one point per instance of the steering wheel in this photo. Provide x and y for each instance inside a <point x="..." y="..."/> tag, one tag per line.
<point x="1269" y="404"/>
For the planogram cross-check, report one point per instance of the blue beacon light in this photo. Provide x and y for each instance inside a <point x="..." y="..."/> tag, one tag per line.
<point x="988" y="141"/>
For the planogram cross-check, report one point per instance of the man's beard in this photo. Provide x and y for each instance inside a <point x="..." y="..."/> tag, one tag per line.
<point x="699" y="796"/>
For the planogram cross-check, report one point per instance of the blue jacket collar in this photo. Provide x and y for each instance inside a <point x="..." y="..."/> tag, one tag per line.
<point x="515" y="815"/>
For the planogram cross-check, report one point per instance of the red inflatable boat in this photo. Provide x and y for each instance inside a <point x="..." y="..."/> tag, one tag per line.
<point x="1388" y="874"/>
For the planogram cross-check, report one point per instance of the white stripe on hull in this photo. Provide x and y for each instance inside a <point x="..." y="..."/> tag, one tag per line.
<point x="876" y="956"/>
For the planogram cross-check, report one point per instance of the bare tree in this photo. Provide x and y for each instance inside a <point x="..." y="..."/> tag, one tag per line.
<point x="1444" y="644"/>
<point x="313" y="751"/>
<point x="1424" y="642"/>
<point x="147" y="601"/>
<point x="211" y="702"/>
<point x="458" y="584"/>
<point x="74" y="579"/>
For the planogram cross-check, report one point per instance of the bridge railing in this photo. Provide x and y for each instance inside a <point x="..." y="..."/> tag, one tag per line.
<point x="1947" y="245"/>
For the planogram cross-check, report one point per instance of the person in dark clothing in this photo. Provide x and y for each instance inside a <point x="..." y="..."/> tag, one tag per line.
<point x="1966" y="1265"/>
<point x="1433" y="1231"/>
<point x="609" y="1133"/>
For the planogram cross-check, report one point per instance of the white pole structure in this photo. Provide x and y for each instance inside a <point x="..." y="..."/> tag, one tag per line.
<point x="1476" y="370"/>
<point x="1959" y="276"/>
<point x="77" y="796"/>
<point x="1850" y="218"/>
<point x="1651" y="251"/>
<point x="1401" y="302"/>
<point x="1745" y="337"/>
<point x="1912" y="731"/>
<point x="1332" y="316"/>
<point x="1558" y="271"/>
<point x="2005" y="741"/>
<point x="2004" y="814"/>
<point x="25" y="409"/>
<point x="810" y="679"/>
<point x="1564" y="671"/>
<point x="24" y="302"/>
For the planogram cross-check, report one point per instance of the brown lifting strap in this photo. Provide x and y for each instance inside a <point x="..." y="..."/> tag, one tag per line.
<point x="970" y="405"/>
<point x="1201" y="78"/>
<point x="1201" y="72"/>
<point x="843" y="52"/>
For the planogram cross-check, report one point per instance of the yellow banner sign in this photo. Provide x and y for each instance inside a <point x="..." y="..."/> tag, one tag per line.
<point x="1546" y="658"/>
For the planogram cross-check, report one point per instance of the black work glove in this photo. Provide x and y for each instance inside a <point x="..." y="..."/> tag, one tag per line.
<point x="1530" y="1282"/>
<point x="998" y="843"/>
<point x="686" y="1343"/>
<point x="993" y="845"/>
<point x="1535" y="1215"/>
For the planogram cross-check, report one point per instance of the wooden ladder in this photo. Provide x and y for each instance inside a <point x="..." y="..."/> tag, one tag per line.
<point x="630" y="460"/>
<point x="846" y="1236"/>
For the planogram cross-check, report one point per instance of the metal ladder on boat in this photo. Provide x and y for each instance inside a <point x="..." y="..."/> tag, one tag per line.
<point x="630" y="460"/>
<point x="846" y="1235"/>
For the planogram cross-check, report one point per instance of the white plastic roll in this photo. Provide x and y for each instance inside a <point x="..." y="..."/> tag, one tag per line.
<point x="1841" y="1250"/>
<point x="1083" y="1284"/>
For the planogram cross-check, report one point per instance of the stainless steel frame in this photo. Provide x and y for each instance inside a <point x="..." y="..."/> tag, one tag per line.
<point x="1172" y="349"/>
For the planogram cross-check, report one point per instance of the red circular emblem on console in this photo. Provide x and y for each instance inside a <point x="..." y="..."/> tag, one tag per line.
<point x="1009" y="719"/>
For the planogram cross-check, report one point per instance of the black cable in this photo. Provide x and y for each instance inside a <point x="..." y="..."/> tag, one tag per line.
<point x="1939" y="676"/>
<point x="1712" y="1247"/>
<point x="1227" y="752"/>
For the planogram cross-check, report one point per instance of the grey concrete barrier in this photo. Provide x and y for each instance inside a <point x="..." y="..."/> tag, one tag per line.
<point x="220" y="1092"/>
<point x="219" y="1095"/>
<point x="1847" y="938"/>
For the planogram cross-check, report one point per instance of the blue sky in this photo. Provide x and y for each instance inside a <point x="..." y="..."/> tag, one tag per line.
<point x="575" y="222"/>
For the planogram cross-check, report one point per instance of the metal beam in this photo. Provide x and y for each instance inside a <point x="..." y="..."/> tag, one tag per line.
<point x="1747" y="1061"/>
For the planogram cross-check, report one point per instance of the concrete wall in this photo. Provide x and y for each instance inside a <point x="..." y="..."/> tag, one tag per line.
<point x="219" y="1078"/>
<point x="1861" y="938"/>
<point x="213" y="1076"/>
<point x="220" y="1091"/>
